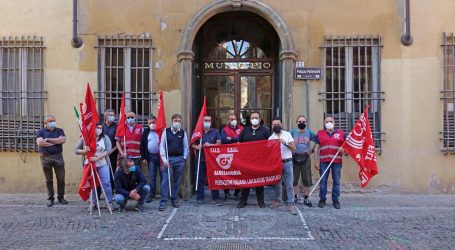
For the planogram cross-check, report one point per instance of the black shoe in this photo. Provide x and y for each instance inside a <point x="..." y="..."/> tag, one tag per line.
<point x="307" y="203"/>
<point x="162" y="208"/>
<point x="121" y="209"/>
<point x="50" y="203"/>
<point x="176" y="204"/>
<point x="217" y="202"/>
<point x="321" y="203"/>
<point x="199" y="203"/>
<point x="62" y="201"/>
<point x="262" y="205"/>
<point x="140" y="208"/>
<point x="336" y="204"/>
<point x="241" y="204"/>
<point x="149" y="199"/>
<point x="236" y="195"/>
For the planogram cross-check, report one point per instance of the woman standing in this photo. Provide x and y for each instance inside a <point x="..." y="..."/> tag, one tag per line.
<point x="101" y="159"/>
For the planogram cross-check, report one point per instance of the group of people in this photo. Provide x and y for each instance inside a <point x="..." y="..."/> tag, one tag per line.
<point x="118" y="160"/>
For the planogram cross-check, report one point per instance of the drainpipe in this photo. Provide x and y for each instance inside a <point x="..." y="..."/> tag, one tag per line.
<point x="75" y="41"/>
<point x="406" y="38"/>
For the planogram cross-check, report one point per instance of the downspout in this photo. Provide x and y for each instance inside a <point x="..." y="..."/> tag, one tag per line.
<point x="406" y="38"/>
<point x="75" y="41"/>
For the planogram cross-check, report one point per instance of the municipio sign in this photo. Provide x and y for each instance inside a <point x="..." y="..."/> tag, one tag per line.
<point x="307" y="73"/>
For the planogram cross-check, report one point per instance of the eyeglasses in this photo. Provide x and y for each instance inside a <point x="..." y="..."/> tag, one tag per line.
<point x="130" y="117"/>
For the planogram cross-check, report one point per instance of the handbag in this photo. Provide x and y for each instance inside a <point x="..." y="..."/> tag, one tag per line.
<point x="300" y="158"/>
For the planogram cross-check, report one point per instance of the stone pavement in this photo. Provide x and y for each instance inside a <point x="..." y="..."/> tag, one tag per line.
<point x="365" y="221"/>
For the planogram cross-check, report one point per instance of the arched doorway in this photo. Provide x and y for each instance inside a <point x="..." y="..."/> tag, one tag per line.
<point x="235" y="67"/>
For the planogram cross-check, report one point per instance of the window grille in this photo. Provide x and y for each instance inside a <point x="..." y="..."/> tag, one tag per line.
<point x="125" y="66"/>
<point x="22" y="92"/>
<point x="352" y="80"/>
<point x="448" y="90"/>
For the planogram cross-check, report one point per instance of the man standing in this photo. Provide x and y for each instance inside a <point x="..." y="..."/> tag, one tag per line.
<point x="150" y="154"/>
<point x="50" y="140"/>
<point x="301" y="158"/>
<point x="230" y="134"/>
<point x="329" y="141"/>
<point x="109" y="129"/>
<point x="130" y="183"/>
<point x="210" y="137"/>
<point x="255" y="132"/>
<point x="133" y="135"/>
<point x="174" y="152"/>
<point x="287" y="146"/>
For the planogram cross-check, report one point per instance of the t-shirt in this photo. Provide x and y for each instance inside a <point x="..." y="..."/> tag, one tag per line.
<point x="286" y="153"/>
<point x="211" y="137"/>
<point x="302" y="140"/>
<point x="55" y="133"/>
<point x="250" y="134"/>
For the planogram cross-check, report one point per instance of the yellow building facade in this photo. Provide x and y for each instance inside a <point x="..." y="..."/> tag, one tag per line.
<point x="242" y="55"/>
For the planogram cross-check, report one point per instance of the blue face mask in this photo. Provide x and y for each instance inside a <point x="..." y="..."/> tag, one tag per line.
<point x="51" y="124"/>
<point x="111" y="118"/>
<point x="133" y="169"/>
<point x="130" y="120"/>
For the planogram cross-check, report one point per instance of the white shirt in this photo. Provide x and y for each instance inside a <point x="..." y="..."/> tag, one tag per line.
<point x="286" y="153"/>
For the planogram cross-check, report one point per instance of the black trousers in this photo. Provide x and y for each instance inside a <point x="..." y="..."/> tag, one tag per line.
<point x="246" y="192"/>
<point x="56" y="163"/>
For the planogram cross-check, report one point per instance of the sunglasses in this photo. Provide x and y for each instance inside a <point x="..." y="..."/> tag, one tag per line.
<point x="130" y="117"/>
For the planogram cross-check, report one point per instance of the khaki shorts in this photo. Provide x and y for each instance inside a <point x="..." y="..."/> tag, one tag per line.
<point x="303" y="171"/>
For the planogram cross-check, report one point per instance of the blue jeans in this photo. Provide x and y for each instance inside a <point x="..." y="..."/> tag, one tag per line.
<point x="336" y="176"/>
<point x="154" y="166"/>
<point x="287" y="179"/>
<point x="200" y="183"/>
<point x="122" y="200"/>
<point x="105" y="177"/>
<point x="176" y="168"/>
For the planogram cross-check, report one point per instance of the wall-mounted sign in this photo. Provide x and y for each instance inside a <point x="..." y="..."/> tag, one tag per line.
<point x="307" y="73"/>
<point x="236" y="65"/>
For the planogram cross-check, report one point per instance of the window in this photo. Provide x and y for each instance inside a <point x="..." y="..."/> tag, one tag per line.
<point x="352" y="80"/>
<point x="125" y="66"/>
<point x="22" y="92"/>
<point x="448" y="92"/>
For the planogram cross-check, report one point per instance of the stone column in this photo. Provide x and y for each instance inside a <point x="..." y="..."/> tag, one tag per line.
<point x="287" y="58"/>
<point x="185" y="59"/>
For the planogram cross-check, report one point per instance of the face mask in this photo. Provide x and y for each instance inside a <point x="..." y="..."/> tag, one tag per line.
<point x="132" y="169"/>
<point x="277" y="129"/>
<point x="254" y="122"/>
<point x="98" y="131"/>
<point x="233" y="123"/>
<point x="111" y="118"/>
<point x="329" y="126"/>
<point x="130" y="120"/>
<point x="301" y="125"/>
<point x="176" y="125"/>
<point x="152" y="126"/>
<point x="51" y="124"/>
<point x="207" y="124"/>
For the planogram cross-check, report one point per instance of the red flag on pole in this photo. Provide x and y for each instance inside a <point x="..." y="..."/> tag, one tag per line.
<point x="161" y="119"/>
<point x="197" y="133"/>
<point x="360" y="146"/>
<point x="89" y="119"/>
<point x="121" y="127"/>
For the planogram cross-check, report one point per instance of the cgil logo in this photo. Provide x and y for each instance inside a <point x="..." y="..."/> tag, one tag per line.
<point x="224" y="160"/>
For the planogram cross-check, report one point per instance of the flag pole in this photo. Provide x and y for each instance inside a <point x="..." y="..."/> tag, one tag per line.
<point x="168" y="171"/>
<point x="104" y="193"/>
<point x="328" y="167"/>
<point x="91" y="203"/>
<point x="96" y="193"/>
<point x="198" y="163"/>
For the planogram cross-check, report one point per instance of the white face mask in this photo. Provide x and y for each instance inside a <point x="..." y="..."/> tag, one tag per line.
<point x="254" y="122"/>
<point x="233" y="123"/>
<point x="98" y="131"/>
<point x="329" y="125"/>
<point x="176" y="125"/>
<point x="207" y="124"/>
<point x="152" y="126"/>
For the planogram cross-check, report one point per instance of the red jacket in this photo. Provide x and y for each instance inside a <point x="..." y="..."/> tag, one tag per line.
<point x="328" y="145"/>
<point x="133" y="141"/>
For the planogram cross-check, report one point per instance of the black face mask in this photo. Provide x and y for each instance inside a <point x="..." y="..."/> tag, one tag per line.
<point x="301" y="125"/>
<point x="276" y="129"/>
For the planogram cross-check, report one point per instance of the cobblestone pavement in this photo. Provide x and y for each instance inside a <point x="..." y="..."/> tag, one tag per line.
<point x="367" y="221"/>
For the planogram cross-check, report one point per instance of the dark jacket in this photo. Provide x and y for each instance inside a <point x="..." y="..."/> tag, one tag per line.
<point x="124" y="183"/>
<point x="144" y="145"/>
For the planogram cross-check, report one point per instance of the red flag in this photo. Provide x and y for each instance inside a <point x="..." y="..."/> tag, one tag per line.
<point x="121" y="127"/>
<point x="360" y="146"/>
<point x="197" y="133"/>
<point x="161" y="119"/>
<point x="89" y="119"/>
<point x="242" y="165"/>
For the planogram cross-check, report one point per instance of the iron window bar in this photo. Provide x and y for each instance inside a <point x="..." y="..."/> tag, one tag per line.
<point x="448" y="93"/>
